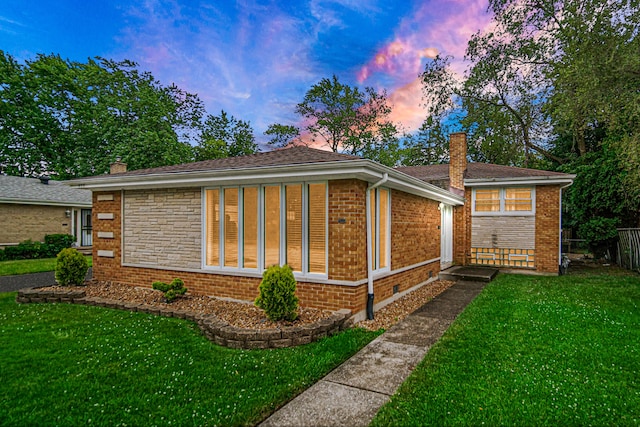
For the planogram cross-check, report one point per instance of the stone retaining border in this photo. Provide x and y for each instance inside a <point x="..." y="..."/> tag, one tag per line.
<point x="216" y="330"/>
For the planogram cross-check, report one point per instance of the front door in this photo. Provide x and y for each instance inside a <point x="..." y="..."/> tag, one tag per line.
<point x="85" y="227"/>
<point x="446" y="236"/>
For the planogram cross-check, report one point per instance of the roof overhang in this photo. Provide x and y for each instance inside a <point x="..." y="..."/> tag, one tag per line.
<point x="362" y="169"/>
<point x="46" y="203"/>
<point x="564" y="181"/>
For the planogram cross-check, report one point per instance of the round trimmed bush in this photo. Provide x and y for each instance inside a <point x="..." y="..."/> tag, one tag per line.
<point x="277" y="294"/>
<point x="71" y="267"/>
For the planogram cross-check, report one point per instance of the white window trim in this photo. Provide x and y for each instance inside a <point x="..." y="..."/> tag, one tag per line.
<point x="261" y="218"/>
<point x="502" y="195"/>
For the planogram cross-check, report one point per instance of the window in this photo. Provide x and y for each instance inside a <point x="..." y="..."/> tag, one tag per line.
<point x="230" y="227"/>
<point x="504" y="201"/>
<point x="518" y="199"/>
<point x="213" y="227"/>
<point x="293" y="197"/>
<point x="488" y="200"/>
<point x="380" y="228"/>
<point x="271" y="225"/>
<point x="250" y="216"/>
<point x="267" y="225"/>
<point x="317" y="228"/>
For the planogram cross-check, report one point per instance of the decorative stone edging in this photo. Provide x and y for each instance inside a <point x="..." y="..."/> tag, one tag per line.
<point x="216" y="330"/>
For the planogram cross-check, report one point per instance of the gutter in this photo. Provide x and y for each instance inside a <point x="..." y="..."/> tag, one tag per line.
<point x="370" y="297"/>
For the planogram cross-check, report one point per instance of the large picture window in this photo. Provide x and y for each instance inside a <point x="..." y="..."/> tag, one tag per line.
<point x="504" y="201"/>
<point x="267" y="225"/>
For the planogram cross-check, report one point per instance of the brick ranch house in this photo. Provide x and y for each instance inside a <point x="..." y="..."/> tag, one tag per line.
<point x="31" y="208"/>
<point x="218" y="224"/>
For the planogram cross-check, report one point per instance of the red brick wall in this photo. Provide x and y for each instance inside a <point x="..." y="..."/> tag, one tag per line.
<point x="104" y="268"/>
<point x="547" y="228"/>
<point x="383" y="288"/>
<point x="347" y="230"/>
<point x="462" y="231"/>
<point x="415" y="236"/>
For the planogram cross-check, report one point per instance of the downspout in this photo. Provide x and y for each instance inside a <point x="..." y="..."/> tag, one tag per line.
<point x="384" y="179"/>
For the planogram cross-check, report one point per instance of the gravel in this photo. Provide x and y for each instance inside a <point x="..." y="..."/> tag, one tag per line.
<point x="246" y="315"/>
<point x="404" y="306"/>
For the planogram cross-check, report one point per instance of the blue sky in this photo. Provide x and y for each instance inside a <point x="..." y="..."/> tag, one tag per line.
<point x="254" y="59"/>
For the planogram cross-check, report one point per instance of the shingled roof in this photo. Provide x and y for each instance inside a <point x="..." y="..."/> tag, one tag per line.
<point x="439" y="173"/>
<point x="288" y="156"/>
<point x="15" y="189"/>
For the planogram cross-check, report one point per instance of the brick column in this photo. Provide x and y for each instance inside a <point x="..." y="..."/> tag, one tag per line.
<point x="461" y="214"/>
<point x="547" y="228"/>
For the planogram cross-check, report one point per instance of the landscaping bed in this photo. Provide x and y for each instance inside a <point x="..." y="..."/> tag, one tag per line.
<point x="235" y="313"/>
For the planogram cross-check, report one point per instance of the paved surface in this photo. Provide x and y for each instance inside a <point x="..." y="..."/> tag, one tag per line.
<point x="470" y="273"/>
<point x="15" y="283"/>
<point x="351" y="394"/>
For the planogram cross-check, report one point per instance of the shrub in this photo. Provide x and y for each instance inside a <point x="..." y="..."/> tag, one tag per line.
<point x="277" y="294"/>
<point x="71" y="267"/>
<point x="172" y="290"/>
<point x="58" y="242"/>
<point x="28" y="249"/>
<point x="600" y="234"/>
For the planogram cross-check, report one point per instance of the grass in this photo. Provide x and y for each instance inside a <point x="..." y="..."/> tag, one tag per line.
<point x="533" y="351"/>
<point x="25" y="266"/>
<point x="72" y="365"/>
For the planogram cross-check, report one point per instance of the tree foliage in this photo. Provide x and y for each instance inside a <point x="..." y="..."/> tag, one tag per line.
<point x="225" y="136"/>
<point x="553" y="84"/>
<point x="283" y="135"/>
<point x="72" y="119"/>
<point x="344" y="118"/>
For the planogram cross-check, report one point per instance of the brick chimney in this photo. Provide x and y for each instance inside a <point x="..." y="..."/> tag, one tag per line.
<point x="117" y="167"/>
<point x="457" y="162"/>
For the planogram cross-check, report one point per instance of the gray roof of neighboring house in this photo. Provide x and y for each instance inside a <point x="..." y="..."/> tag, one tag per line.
<point x="287" y="156"/>
<point x="15" y="189"/>
<point x="431" y="173"/>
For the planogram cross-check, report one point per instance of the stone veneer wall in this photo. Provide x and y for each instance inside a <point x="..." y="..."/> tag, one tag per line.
<point x="163" y="228"/>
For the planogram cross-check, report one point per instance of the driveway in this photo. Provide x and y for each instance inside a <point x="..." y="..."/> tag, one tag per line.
<point x="15" y="283"/>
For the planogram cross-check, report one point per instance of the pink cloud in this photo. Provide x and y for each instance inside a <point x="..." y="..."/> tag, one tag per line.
<point x="433" y="28"/>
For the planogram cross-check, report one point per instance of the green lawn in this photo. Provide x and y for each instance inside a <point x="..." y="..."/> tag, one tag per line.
<point x="24" y="266"/>
<point x="73" y="365"/>
<point x="533" y="351"/>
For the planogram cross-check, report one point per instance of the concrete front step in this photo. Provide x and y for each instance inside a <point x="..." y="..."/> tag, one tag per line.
<point x="475" y="274"/>
<point x="85" y="250"/>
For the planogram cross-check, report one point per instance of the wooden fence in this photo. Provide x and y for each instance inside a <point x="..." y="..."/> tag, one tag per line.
<point x="629" y="248"/>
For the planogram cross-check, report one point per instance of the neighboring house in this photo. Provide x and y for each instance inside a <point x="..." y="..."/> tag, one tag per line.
<point x="218" y="224"/>
<point x="31" y="208"/>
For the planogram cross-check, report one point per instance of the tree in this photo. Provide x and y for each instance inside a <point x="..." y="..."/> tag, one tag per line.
<point x="283" y="135"/>
<point x="348" y="119"/>
<point x="554" y="84"/>
<point x="225" y="136"/>
<point x="428" y="146"/>
<point x="72" y="119"/>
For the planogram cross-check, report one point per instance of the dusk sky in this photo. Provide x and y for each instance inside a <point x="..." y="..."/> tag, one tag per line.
<point x="254" y="59"/>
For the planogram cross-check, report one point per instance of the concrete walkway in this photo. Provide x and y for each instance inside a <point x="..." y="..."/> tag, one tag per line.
<point x="352" y="394"/>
